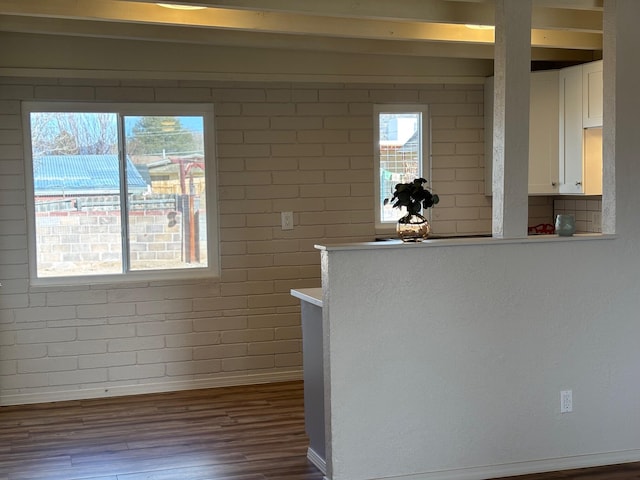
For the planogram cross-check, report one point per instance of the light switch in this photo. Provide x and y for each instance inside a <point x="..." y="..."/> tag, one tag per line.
<point x="287" y="220"/>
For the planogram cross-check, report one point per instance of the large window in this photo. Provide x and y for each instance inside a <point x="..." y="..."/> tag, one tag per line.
<point x="401" y="138"/>
<point x="120" y="190"/>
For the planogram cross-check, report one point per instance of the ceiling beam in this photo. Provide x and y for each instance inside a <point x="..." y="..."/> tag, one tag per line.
<point x="597" y="5"/>
<point x="441" y="11"/>
<point x="283" y="23"/>
<point x="566" y="19"/>
<point x="191" y="35"/>
<point x="207" y="36"/>
<point x="546" y="15"/>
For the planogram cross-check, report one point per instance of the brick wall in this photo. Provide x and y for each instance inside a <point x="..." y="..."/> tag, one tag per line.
<point x="305" y="148"/>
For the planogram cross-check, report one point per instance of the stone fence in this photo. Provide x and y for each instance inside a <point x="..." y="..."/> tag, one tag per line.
<point x="73" y="237"/>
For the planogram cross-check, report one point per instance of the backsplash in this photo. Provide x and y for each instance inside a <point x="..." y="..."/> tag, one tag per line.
<point x="586" y="210"/>
<point x="540" y="210"/>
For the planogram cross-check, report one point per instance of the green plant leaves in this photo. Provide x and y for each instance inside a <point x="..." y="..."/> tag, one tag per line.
<point x="412" y="196"/>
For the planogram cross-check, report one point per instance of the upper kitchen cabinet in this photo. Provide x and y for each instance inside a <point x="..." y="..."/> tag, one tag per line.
<point x="544" y="117"/>
<point x="571" y="130"/>
<point x="543" y="133"/>
<point x="592" y="92"/>
<point x="580" y="108"/>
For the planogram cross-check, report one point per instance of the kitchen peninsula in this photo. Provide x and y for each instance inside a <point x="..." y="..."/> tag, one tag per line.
<point x="313" y="359"/>
<point x="446" y="358"/>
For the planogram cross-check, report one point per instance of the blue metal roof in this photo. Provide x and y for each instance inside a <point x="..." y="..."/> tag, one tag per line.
<point x="87" y="174"/>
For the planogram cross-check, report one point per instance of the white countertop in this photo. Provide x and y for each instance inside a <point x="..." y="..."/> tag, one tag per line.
<point x="462" y="241"/>
<point x="311" y="295"/>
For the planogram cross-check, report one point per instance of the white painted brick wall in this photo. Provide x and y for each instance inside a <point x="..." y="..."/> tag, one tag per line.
<point x="135" y="344"/>
<point x="107" y="360"/>
<point x="164" y="355"/>
<point x="305" y="148"/>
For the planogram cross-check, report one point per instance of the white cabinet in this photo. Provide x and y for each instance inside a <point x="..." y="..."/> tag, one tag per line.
<point x="571" y="130"/>
<point x="592" y="93"/>
<point x="579" y="158"/>
<point x="543" y="133"/>
<point x="565" y="131"/>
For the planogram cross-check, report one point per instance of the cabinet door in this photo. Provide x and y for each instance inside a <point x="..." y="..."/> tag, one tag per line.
<point x="571" y="130"/>
<point x="544" y="133"/>
<point x="592" y="98"/>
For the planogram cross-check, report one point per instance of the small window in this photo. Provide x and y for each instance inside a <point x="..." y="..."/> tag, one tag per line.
<point x="120" y="191"/>
<point x="401" y="137"/>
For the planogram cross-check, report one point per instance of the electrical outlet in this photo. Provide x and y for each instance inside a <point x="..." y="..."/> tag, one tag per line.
<point x="287" y="220"/>
<point x="566" y="401"/>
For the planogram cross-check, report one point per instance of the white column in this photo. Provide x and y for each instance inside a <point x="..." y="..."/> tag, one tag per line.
<point x="512" y="68"/>
<point x="609" y="60"/>
<point x="621" y="141"/>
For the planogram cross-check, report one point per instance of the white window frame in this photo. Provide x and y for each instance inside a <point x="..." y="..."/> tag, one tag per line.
<point x="425" y="168"/>
<point x="212" y="270"/>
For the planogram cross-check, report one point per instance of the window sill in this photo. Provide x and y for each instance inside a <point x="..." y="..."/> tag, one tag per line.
<point x="125" y="279"/>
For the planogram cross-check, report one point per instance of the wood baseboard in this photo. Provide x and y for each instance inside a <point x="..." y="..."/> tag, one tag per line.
<point x="162" y="387"/>
<point x="527" y="468"/>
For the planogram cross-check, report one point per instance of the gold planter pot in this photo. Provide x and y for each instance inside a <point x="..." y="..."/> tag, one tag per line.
<point x="413" y="228"/>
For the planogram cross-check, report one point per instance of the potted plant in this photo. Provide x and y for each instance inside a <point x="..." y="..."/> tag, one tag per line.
<point x="413" y="196"/>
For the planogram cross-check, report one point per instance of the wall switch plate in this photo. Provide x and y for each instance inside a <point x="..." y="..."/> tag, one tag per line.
<point x="287" y="220"/>
<point x="566" y="401"/>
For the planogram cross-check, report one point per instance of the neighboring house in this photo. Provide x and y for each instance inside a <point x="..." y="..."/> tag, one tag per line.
<point x="64" y="175"/>
<point x="86" y="187"/>
<point x="177" y="174"/>
<point x="398" y="162"/>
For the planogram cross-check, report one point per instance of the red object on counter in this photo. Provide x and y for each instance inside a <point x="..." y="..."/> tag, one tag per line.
<point x="542" y="229"/>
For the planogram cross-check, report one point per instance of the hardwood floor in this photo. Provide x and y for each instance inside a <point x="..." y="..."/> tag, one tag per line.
<point x="237" y="433"/>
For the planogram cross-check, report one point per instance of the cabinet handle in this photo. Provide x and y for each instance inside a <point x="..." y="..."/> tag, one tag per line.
<point x="553" y="184"/>
<point x="578" y="183"/>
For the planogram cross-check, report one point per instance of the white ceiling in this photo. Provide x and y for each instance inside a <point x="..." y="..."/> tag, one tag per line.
<point x="563" y="31"/>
